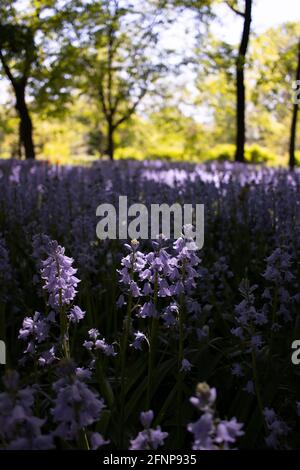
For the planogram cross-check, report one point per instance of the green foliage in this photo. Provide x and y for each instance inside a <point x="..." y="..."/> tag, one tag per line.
<point x="222" y="152"/>
<point x="257" y="154"/>
<point x="89" y="65"/>
<point x="17" y="48"/>
<point x="254" y="154"/>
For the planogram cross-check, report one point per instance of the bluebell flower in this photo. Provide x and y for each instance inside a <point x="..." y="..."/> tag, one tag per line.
<point x="228" y="431"/>
<point x="170" y="314"/>
<point x="83" y="374"/>
<point x="97" y="441"/>
<point x="36" y="327"/>
<point x="202" y="430"/>
<point x="59" y="277"/>
<point x="146" y="418"/>
<point x="277" y="428"/>
<point x="139" y="338"/>
<point x="95" y="343"/>
<point x="76" y="314"/>
<point x="202" y="333"/>
<point x="6" y="271"/>
<point x="185" y="365"/>
<point x="19" y="428"/>
<point x="75" y="406"/>
<point x="249" y="387"/>
<point x="237" y="370"/>
<point x="47" y="357"/>
<point x="148" y="439"/>
<point x="148" y="310"/>
<point x="211" y="433"/>
<point x="205" y="397"/>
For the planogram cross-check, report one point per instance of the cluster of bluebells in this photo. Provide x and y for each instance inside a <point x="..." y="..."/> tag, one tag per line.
<point x="96" y="343"/>
<point x="19" y="428"/>
<point x="59" y="277"/>
<point x="5" y="270"/>
<point x="277" y="301"/>
<point x="278" y="294"/>
<point x="35" y="332"/>
<point x="160" y="275"/>
<point x="6" y="273"/>
<point x="248" y="319"/>
<point x="210" y="432"/>
<point x="215" y="282"/>
<point x="249" y="330"/>
<point x="76" y="406"/>
<point x="162" y="282"/>
<point x="57" y="274"/>
<point x="149" y="438"/>
<point x="277" y="428"/>
<point x="252" y="229"/>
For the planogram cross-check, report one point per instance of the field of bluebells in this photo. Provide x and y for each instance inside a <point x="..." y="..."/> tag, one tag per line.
<point x="127" y="345"/>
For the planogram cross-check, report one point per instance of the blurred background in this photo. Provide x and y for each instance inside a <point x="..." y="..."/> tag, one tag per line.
<point x="190" y="80"/>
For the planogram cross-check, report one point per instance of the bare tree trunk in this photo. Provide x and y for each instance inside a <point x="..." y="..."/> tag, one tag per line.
<point x="19" y="151"/>
<point x="292" y="159"/>
<point x="240" y="85"/>
<point x="110" y="140"/>
<point x="25" y="122"/>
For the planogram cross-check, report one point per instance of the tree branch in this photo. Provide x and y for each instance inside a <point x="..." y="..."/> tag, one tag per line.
<point x="7" y="70"/>
<point x="235" y="10"/>
<point x="102" y="100"/>
<point x="131" y="110"/>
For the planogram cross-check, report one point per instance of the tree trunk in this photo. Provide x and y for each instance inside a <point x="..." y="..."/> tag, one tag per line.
<point x="19" y="150"/>
<point x="292" y="159"/>
<point x="240" y="117"/>
<point x="240" y="86"/>
<point x="110" y="140"/>
<point x="25" y="123"/>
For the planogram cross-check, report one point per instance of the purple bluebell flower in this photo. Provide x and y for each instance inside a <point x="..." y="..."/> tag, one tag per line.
<point x="93" y="334"/>
<point x="146" y="418"/>
<point x="170" y="314"/>
<point x="75" y="406"/>
<point x="19" y="428"/>
<point x="228" y="431"/>
<point x="83" y="374"/>
<point x="5" y="266"/>
<point x="249" y="387"/>
<point x="148" y="310"/>
<point x="76" y="314"/>
<point x="202" y="431"/>
<point x="97" y="441"/>
<point x="237" y="370"/>
<point x="205" y="397"/>
<point x="107" y="349"/>
<point x="59" y="277"/>
<point x="148" y="439"/>
<point x="202" y="333"/>
<point x="185" y="365"/>
<point x="36" y="327"/>
<point x="209" y="432"/>
<point x="277" y="428"/>
<point x="47" y="357"/>
<point x="139" y="338"/>
<point x="95" y="343"/>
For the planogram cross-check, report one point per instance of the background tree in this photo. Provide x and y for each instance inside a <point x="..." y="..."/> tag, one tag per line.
<point x="240" y="76"/>
<point x="272" y="70"/>
<point x="17" y="54"/>
<point x="119" y="55"/>
<point x="37" y="59"/>
<point x="294" y="119"/>
<point x="216" y="88"/>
